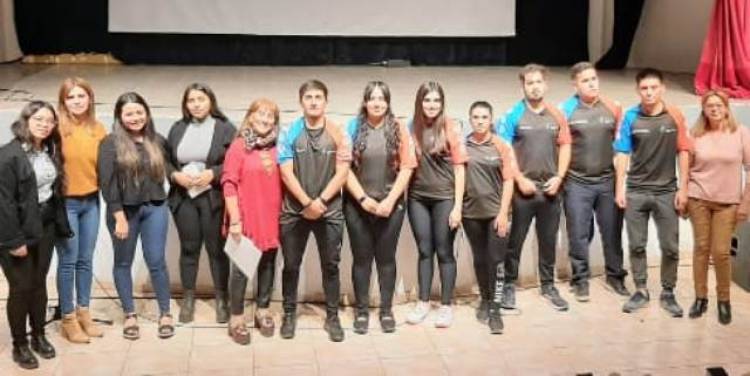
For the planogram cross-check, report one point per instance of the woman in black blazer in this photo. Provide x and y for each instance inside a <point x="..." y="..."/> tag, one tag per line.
<point x="32" y="218"/>
<point x="197" y="144"/>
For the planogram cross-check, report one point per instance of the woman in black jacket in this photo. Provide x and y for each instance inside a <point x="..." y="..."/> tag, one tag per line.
<point x="197" y="144"/>
<point x="32" y="218"/>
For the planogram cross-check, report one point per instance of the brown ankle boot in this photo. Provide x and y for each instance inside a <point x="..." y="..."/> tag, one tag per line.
<point x="87" y="324"/>
<point x="71" y="329"/>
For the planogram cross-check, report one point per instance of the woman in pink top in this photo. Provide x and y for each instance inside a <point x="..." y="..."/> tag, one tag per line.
<point x="717" y="200"/>
<point x="252" y="189"/>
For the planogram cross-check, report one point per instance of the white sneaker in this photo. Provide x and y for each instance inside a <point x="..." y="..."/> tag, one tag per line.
<point x="419" y="313"/>
<point x="444" y="317"/>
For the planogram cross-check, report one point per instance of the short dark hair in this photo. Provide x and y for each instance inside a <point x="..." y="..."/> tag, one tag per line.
<point x="579" y="67"/>
<point x="313" y="85"/>
<point x="648" y="73"/>
<point x="480" y="104"/>
<point x="531" y="68"/>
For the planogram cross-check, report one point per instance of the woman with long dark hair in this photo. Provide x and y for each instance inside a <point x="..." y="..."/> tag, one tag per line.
<point x="383" y="161"/>
<point x="197" y="145"/>
<point x="436" y="198"/>
<point x="132" y="167"/>
<point x="81" y="135"/>
<point x="32" y="218"/>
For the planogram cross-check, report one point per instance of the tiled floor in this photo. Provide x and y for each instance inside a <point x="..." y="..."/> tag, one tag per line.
<point x="592" y="337"/>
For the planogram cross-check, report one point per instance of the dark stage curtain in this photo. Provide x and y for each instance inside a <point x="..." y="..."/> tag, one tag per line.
<point x="627" y="17"/>
<point x="547" y="32"/>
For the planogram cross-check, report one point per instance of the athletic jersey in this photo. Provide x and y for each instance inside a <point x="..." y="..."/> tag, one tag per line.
<point x="374" y="173"/>
<point x="535" y="138"/>
<point x="314" y="154"/>
<point x="490" y="163"/>
<point x="593" y="129"/>
<point x="652" y="142"/>
<point x="433" y="178"/>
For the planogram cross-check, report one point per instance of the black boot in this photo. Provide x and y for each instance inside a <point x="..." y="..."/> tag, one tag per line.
<point x="725" y="313"/>
<point x="222" y="307"/>
<point x="698" y="308"/>
<point x="333" y="327"/>
<point x="23" y="356"/>
<point x="41" y="346"/>
<point x="288" y="325"/>
<point x="187" y="310"/>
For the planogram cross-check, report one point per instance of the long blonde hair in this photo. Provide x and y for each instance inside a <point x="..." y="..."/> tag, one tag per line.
<point x="701" y="124"/>
<point x="66" y="119"/>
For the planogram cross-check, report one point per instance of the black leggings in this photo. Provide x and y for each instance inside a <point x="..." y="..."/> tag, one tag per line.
<point x="429" y="222"/>
<point x="27" y="286"/>
<point x="373" y="237"/>
<point x="197" y="223"/>
<point x="238" y="283"/>
<point x="489" y="252"/>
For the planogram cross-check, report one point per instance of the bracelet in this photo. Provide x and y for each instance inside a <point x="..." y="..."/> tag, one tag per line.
<point x="362" y="199"/>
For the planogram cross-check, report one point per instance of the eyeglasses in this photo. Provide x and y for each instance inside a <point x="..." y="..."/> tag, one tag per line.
<point x="44" y="120"/>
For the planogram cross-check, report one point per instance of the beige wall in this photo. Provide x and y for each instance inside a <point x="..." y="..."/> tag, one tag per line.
<point x="670" y="35"/>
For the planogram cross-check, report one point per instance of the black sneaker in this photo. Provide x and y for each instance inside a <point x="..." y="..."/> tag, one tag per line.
<point x="41" y="346"/>
<point x="581" y="291"/>
<point x="617" y="285"/>
<point x="387" y="321"/>
<point x="495" y="321"/>
<point x="23" y="356"/>
<point x="550" y="293"/>
<point x="333" y="327"/>
<point x="483" y="311"/>
<point x="637" y="301"/>
<point x="509" y="296"/>
<point x="288" y="325"/>
<point x="669" y="303"/>
<point x="361" y="323"/>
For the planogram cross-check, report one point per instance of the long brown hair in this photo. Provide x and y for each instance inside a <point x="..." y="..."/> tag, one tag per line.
<point x="420" y="121"/>
<point x="127" y="154"/>
<point x="701" y="124"/>
<point x="66" y="118"/>
<point x="392" y="131"/>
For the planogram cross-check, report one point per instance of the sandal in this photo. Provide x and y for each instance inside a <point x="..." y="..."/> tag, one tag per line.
<point x="165" y="330"/>
<point x="239" y="333"/>
<point x="265" y="324"/>
<point x="131" y="332"/>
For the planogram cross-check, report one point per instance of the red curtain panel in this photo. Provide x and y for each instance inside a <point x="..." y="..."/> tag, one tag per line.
<point x="725" y="60"/>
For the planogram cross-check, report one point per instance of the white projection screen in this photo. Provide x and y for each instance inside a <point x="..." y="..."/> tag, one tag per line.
<point x="357" y="18"/>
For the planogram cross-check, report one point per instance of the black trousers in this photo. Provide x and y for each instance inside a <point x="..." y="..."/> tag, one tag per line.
<point x="429" y="222"/>
<point x="546" y="211"/>
<point x="27" y="283"/>
<point x="197" y="224"/>
<point x="489" y="251"/>
<point x="238" y="283"/>
<point x="294" y="236"/>
<point x="373" y="238"/>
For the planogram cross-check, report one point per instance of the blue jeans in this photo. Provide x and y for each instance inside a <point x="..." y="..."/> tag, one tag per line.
<point x="583" y="203"/>
<point x="75" y="255"/>
<point x="150" y="222"/>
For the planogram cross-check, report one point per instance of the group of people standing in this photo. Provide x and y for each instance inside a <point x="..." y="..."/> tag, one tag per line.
<point x="277" y="185"/>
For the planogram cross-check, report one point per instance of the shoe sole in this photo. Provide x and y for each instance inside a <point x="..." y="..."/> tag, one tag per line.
<point x="442" y="325"/>
<point x="673" y="314"/>
<point x="631" y="310"/>
<point x="583" y="299"/>
<point x="25" y="366"/>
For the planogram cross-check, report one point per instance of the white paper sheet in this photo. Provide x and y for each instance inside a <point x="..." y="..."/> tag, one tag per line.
<point x="244" y="254"/>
